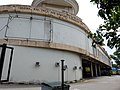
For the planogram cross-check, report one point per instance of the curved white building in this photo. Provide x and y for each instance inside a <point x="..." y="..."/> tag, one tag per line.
<point x="34" y="39"/>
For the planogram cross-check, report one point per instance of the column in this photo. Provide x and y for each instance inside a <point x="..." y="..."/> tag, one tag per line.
<point x="99" y="71"/>
<point x="96" y="70"/>
<point x="91" y="69"/>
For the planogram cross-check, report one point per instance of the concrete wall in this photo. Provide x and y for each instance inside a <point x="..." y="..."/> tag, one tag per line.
<point x="41" y="28"/>
<point x="69" y="34"/>
<point x="24" y="69"/>
<point x="20" y="26"/>
<point x="44" y="29"/>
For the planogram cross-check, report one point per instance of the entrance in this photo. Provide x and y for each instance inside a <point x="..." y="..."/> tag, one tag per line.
<point x="5" y="62"/>
<point x="86" y="68"/>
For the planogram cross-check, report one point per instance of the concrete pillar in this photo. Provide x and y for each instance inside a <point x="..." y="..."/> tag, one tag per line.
<point x="99" y="70"/>
<point x="96" y="71"/>
<point x="91" y="69"/>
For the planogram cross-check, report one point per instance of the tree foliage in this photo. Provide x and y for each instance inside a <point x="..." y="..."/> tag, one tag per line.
<point x="109" y="11"/>
<point x="115" y="65"/>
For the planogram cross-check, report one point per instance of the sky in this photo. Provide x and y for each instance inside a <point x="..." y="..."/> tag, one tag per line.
<point x="87" y="12"/>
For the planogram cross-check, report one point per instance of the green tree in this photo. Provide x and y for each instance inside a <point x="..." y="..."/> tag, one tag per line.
<point x="109" y="11"/>
<point x="114" y="65"/>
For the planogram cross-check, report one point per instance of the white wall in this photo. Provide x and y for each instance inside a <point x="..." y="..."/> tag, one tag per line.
<point x="23" y="27"/>
<point x="69" y="34"/>
<point x="89" y="44"/>
<point x="24" y="59"/>
<point x="45" y="29"/>
<point x="3" y="23"/>
<point x="39" y="28"/>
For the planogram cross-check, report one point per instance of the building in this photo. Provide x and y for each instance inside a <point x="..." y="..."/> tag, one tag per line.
<point x="34" y="39"/>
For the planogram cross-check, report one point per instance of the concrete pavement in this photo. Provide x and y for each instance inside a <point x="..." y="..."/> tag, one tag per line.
<point x="19" y="87"/>
<point x="99" y="83"/>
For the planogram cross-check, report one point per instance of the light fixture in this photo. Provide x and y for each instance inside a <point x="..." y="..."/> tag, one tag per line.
<point x="37" y="64"/>
<point x="65" y="67"/>
<point x="80" y="67"/>
<point x="75" y="68"/>
<point x="57" y="64"/>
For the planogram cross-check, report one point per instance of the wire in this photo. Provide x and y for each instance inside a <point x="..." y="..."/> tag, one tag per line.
<point x="10" y="18"/>
<point x="2" y="28"/>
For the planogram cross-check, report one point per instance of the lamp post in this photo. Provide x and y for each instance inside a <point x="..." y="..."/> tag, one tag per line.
<point x="62" y="74"/>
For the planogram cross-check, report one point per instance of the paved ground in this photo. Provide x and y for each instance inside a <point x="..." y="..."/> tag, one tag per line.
<point x="19" y="87"/>
<point x="100" y="83"/>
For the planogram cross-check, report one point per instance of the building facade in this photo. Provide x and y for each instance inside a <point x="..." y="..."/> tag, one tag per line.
<point x="34" y="39"/>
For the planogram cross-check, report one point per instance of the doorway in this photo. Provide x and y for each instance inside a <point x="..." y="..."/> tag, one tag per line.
<point x="86" y="68"/>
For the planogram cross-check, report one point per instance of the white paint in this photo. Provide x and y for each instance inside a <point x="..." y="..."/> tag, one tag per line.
<point x="68" y="34"/>
<point x="3" y="23"/>
<point x="39" y="29"/>
<point x="24" y="70"/>
<point x="24" y="58"/>
<point x="15" y="26"/>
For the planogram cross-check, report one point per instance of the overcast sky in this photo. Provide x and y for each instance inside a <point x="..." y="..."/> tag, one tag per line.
<point x="87" y="12"/>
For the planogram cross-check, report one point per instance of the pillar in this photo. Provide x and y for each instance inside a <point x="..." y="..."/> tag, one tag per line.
<point x="99" y="70"/>
<point x="96" y="70"/>
<point x="91" y="69"/>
